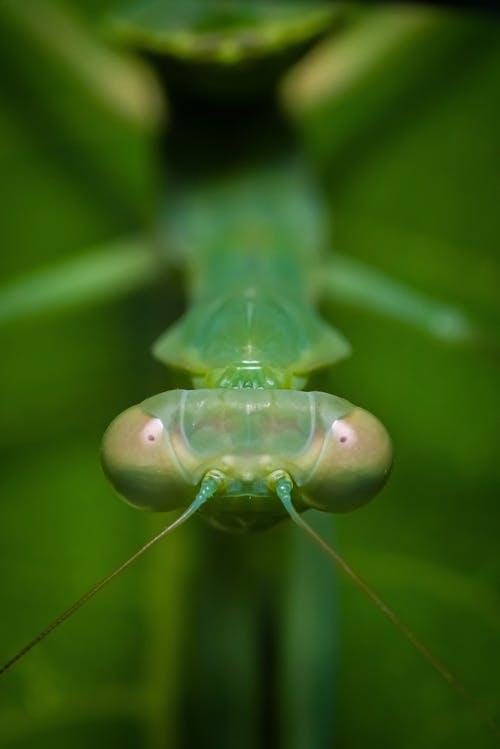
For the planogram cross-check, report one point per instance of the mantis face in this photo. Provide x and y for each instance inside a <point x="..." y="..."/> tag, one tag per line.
<point x="156" y="453"/>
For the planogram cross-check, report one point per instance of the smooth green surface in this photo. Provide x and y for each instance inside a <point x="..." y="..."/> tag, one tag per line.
<point x="414" y="194"/>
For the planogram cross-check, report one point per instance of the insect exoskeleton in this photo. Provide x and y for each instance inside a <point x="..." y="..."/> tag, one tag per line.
<point x="156" y="453"/>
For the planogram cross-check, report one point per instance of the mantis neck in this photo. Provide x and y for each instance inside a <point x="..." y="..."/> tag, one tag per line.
<point x="251" y="236"/>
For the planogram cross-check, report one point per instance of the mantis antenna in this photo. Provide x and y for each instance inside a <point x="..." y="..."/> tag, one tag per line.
<point x="283" y="487"/>
<point x="209" y="486"/>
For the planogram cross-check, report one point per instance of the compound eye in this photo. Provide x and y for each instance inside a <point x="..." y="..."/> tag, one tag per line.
<point x="353" y="465"/>
<point x="139" y="461"/>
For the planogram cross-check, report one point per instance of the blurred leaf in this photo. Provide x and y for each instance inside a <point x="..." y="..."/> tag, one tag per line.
<point x="79" y="171"/>
<point x="359" y="63"/>
<point x="123" y="85"/>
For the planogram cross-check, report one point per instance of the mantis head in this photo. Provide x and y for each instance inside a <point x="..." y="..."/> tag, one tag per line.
<point x="337" y="455"/>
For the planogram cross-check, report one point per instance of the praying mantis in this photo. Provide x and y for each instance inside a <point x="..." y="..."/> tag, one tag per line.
<point x="224" y="544"/>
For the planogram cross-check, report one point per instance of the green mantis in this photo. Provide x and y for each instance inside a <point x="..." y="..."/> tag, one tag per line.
<point x="333" y="388"/>
<point x="249" y="338"/>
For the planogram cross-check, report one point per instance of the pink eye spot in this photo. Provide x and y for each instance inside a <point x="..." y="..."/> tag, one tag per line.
<point x="151" y="431"/>
<point x="344" y="432"/>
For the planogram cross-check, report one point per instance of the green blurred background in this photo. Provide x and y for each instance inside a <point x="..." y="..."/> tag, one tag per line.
<point x="410" y="156"/>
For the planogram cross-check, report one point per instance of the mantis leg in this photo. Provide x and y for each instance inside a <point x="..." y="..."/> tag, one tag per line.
<point x="356" y="284"/>
<point x="263" y="646"/>
<point x="221" y="692"/>
<point x="309" y="646"/>
<point x="110" y="270"/>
